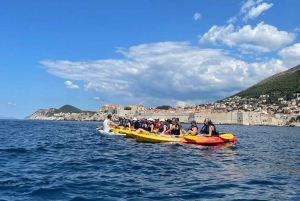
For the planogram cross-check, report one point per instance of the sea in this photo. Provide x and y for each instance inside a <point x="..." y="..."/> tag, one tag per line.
<point x="70" y="160"/>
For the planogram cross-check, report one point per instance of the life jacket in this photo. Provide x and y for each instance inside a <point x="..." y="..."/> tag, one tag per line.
<point x="161" y="128"/>
<point x="205" y="130"/>
<point x="135" y="124"/>
<point x="168" y="126"/>
<point x="191" y="127"/>
<point x="148" y="127"/>
<point x="156" y="125"/>
<point x="141" y="124"/>
<point x="126" y="124"/>
<point x="176" y="130"/>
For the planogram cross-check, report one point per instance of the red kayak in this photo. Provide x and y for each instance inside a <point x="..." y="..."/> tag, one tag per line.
<point x="209" y="140"/>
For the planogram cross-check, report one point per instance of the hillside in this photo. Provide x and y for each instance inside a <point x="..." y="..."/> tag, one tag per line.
<point x="282" y="84"/>
<point x="66" y="112"/>
<point x="68" y="109"/>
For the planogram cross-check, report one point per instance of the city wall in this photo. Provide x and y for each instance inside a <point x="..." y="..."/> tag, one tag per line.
<point x="183" y="117"/>
<point x="233" y="117"/>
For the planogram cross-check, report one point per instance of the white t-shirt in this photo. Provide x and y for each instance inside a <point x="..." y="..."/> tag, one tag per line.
<point x="105" y="126"/>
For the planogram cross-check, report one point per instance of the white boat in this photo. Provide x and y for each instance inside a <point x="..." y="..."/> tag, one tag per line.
<point x="110" y="133"/>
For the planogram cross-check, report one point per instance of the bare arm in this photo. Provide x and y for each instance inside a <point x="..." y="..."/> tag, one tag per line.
<point x="194" y="131"/>
<point x="165" y="128"/>
<point x="171" y="127"/>
<point x="112" y="123"/>
<point x="151" y="128"/>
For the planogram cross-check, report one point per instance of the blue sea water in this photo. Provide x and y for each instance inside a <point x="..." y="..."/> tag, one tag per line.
<point x="60" y="160"/>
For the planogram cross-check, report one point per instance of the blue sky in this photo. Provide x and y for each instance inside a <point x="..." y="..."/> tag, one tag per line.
<point x="181" y="53"/>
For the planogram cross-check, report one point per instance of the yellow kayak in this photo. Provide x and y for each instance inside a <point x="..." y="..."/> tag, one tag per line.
<point x="158" y="138"/>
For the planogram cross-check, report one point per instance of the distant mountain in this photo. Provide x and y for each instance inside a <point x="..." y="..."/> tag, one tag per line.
<point x="283" y="84"/>
<point x="66" y="112"/>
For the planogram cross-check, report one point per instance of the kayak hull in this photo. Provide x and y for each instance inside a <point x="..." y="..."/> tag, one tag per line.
<point x="110" y="133"/>
<point x="207" y="140"/>
<point x="153" y="138"/>
<point x="158" y="138"/>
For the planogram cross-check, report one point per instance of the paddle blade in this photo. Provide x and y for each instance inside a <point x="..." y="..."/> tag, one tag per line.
<point x="227" y="136"/>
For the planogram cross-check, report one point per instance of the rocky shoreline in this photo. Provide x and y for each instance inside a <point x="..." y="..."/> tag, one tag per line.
<point x="47" y="114"/>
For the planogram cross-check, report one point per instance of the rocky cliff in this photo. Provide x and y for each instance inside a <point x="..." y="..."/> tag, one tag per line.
<point x="52" y="114"/>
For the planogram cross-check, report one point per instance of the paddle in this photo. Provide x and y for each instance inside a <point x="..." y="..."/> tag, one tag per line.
<point x="227" y="136"/>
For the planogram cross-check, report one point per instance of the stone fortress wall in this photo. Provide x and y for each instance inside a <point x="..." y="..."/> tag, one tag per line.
<point x="217" y="117"/>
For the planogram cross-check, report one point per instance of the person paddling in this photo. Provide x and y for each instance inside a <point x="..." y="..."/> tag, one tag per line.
<point x="107" y="123"/>
<point x="193" y="129"/>
<point x="209" y="129"/>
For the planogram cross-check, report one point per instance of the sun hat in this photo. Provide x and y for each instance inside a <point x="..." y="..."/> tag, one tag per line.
<point x="150" y="119"/>
<point x="162" y="120"/>
<point x="134" y="119"/>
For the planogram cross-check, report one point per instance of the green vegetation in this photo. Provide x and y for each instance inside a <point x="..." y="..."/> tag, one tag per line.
<point x="294" y="119"/>
<point x="283" y="85"/>
<point x="69" y="109"/>
<point x="164" y="107"/>
<point x="127" y="108"/>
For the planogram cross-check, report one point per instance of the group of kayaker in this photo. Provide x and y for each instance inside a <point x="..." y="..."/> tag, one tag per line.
<point x="162" y="126"/>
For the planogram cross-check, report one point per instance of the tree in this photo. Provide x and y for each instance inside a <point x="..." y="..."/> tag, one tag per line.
<point x="292" y="119"/>
<point x="164" y="107"/>
<point x="298" y="118"/>
<point x="288" y="96"/>
<point x="127" y="108"/>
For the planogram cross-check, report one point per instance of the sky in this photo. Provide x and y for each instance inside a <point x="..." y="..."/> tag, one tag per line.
<point x="87" y="53"/>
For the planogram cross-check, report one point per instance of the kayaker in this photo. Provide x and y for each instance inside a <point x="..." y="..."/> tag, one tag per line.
<point x="177" y="119"/>
<point x="148" y="127"/>
<point x="175" y="130"/>
<point x="127" y="124"/>
<point x="107" y="123"/>
<point x="169" y="127"/>
<point x="209" y="129"/>
<point x="193" y="129"/>
<point x="156" y="124"/>
<point x="141" y="123"/>
<point x="134" y="124"/>
<point x="162" y="127"/>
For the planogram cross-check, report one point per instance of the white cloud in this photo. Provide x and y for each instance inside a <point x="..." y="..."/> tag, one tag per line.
<point x="247" y="5"/>
<point x="262" y="38"/>
<point x="232" y="20"/>
<point x="71" y="85"/>
<point x="166" y="73"/>
<point x="188" y="103"/>
<point x="97" y="98"/>
<point x="10" y="103"/>
<point x="256" y="11"/>
<point x="291" y="55"/>
<point x="197" y="16"/>
<point x="297" y="29"/>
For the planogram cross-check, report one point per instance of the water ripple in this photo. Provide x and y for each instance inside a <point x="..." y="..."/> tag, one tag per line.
<point x="45" y="160"/>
